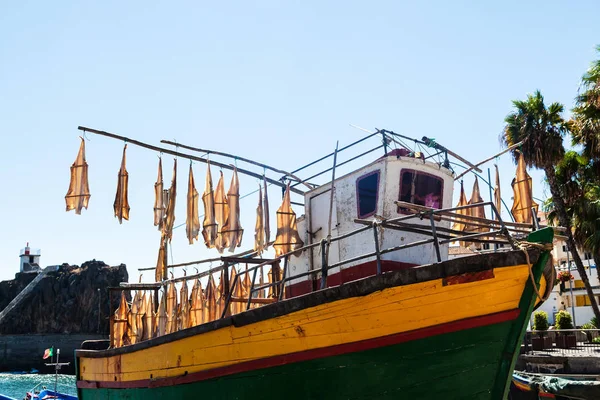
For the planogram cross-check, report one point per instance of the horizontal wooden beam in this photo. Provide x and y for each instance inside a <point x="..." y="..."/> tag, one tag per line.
<point x="222" y="154"/>
<point x="187" y="156"/>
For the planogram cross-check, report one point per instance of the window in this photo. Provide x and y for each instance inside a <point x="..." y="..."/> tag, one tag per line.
<point x="582" y="300"/>
<point x="486" y="246"/>
<point x="587" y="256"/>
<point x="30" y="259"/>
<point x="420" y="188"/>
<point x="367" y="187"/>
<point x="565" y="248"/>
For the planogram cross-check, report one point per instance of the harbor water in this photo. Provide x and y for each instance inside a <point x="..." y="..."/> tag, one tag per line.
<point x="17" y="385"/>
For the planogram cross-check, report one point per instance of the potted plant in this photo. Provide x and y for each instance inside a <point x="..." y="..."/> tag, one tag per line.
<point x="588" y="334"/>
<point x="563" y="278"/>
<point x="540" y="324"/>
<point x="565" y="340"/>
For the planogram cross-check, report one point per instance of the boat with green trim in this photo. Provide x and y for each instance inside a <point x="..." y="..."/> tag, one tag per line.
<point x="368" y="304"/>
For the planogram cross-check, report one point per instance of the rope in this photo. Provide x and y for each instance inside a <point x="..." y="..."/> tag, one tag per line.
<point x="525" y="246"/>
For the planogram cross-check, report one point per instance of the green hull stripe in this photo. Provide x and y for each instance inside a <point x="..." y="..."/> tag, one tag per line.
<point x="461" y="364"/>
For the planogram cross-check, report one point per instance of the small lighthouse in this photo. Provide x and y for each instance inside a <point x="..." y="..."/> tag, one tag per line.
<point x="30" y="259"/>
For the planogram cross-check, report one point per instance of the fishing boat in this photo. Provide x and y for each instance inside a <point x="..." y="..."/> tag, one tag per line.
<point x="367" y="304"/>
<point x="530" y="386"/>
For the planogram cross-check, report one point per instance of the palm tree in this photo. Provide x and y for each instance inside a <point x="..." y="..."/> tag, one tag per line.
<point x="542" y="129"/>
<point x="586" y="114"/>
<point x="581" y="194"/>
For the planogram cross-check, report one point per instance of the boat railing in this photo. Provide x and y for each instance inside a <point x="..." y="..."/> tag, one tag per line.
<point x="562" y="342"/>
<point x="389" y="140"/>
<point x="499" y="233"/>
<point x="493" y="231"/>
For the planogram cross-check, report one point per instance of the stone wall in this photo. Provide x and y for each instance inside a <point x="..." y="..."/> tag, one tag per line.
<point x="24" y="352"/>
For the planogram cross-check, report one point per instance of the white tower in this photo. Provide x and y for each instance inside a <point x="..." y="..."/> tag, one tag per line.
<point x="30" y="259"/>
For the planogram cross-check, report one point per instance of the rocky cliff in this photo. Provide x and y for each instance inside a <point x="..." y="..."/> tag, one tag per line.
<point x="10" y="289"/>
<point x="72" y="300"/>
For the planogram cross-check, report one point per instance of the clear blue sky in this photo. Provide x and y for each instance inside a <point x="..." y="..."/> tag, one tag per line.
<point x="277" y="81"/>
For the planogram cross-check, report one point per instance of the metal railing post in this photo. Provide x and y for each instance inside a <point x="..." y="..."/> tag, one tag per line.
<point x="323" y="264"/>
<point x="251" y="291"/>
<point x="282" y="287"/>
<point x="436" y="244"/>
<point x="377" y="253"/>
<point x="226" y="290"/>
<point x="228" y="300"/>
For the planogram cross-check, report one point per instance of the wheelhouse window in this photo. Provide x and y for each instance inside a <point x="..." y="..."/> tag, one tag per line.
<point x="367" y="187"/>
<point x="420" y="188"/>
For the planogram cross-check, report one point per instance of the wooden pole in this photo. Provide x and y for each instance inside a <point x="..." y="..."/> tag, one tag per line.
<point x="186" y="156"/>
<point x="219" y="153"/>
<point x="332" y="189"/>
<point x="435" y="145"/>
<point x="331" y="200"/>
<point x="489" y="159"/>
<point x="245" y="253"/>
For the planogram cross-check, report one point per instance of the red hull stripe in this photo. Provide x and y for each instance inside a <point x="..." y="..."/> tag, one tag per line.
<point x="362" y="345"/>
<point x="346" y="275"/>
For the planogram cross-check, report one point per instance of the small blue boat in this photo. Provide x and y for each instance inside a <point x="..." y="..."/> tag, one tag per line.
<point x="44" y="394"/>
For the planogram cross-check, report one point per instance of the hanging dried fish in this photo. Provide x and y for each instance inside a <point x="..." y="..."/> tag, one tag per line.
<point x="159" y="198"/>
<point x="259" y="229"/>
<point x="497" y="195"/>
<point x="121" y="204"/>
<point x="171" y="307"/>
<point x="185" y="306"/>
<point x="161" y="317"/>
<point x="221" y="214"/>
<point x="170" y="214"/>
<point x="136" y="325"/>
<point x="232" y="230"/>
<point x="266" y="219"/>
<point x="238" y="292"/>
<point x="196" y="310"/>
<point x="210" y="228"/>
<point x="460" y="224"/>
<point x="142" y="314"/>
<point x="220" y="295"/>
<point x="160" y="274"/>
<point x="178" y="318"/>
<point x="148" y="316"/>
<point x="211" y="300"/>
<point x="260" y="294"/>
<point x="271" y="290"/>
<point x="478" y="211"/>
<point x="523" y="194"/>
<point x="287" y="238"/>
<point x="246" y="287"/>
<point x="78" y="195"/>
<point x="192" y="221"/>
<point x="120" y="323"/>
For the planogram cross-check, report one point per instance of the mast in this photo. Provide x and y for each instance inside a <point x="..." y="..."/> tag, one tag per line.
<point x="57" y="366"/>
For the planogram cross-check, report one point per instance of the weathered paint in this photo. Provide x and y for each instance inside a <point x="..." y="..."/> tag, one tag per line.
<point x="386" y="312"/>
<point x="460" y="364"/>
<point x="345" y="210"/>
<point x="470" y="357"/>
